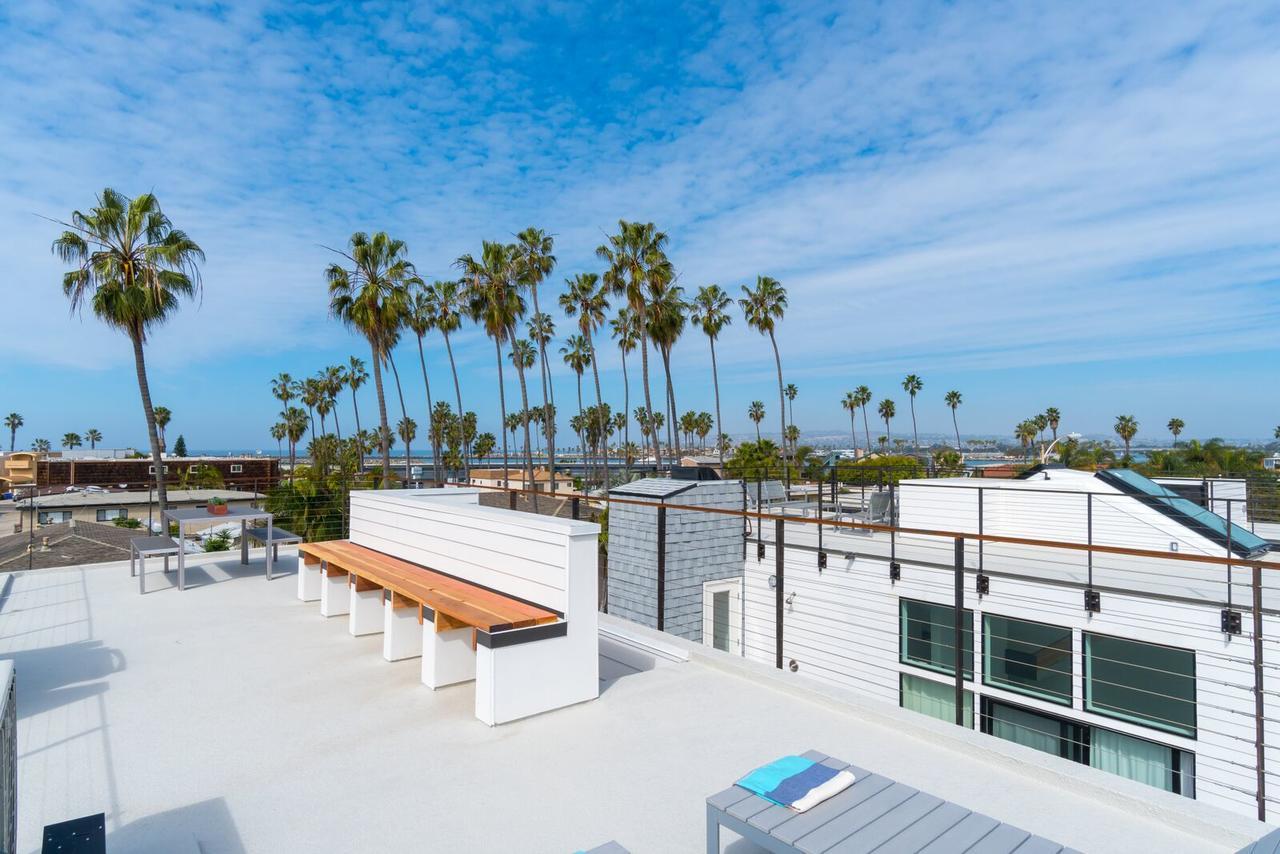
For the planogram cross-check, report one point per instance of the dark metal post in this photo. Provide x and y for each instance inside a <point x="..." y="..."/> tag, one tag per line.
<point x="511" y="499"/>
<point x="1259" y="720"/>
<point x="662" y="568"/>
<point x="1089" y="533"/>
<point x="959" y="631"/>
<point x="981" y="564"/>
<point x="1228" y="555"/>
<point x="822" y="556"/>
<point x="573" y="503"/>
<point x="779" y="596"/>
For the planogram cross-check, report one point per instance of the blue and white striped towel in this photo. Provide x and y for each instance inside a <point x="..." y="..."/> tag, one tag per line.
<point x="796" y="783"/>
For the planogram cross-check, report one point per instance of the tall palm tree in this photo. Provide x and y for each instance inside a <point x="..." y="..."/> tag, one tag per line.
<point x="163" y="416"/>
<point x="533" y="257"/>
<point x="623" y="328"/>
<point x="356" y="377"/>
<point x="407" y="429"/>
<point x="1053" y="418"/>
<point x="1126" y="428"/>
<point x="295" y="425"/>
<point x="13" y="421"/>
<point x="1176" y="426"/>
<point x="887" y="410"/>
<point x="791" y="391"/>
<point x="71" y="440"/>
<point x="912" y="385"/>
<point x="278" y="432"/>
<point x="710" y="312"/>
<point x="756" y="413"/>
<point x="369" y="296"/>
<point x="447" y="307"/>
<point x="420" y="318"/>
<point x="666" y="325"/>
<point x="850" y="402"/>
<point x="133" y="268"/>
<point x="1025" y="432"/>
<point x="41" y="446"/>
<point x="1042" y="423"/>
<point x="588" y="301"/>
<point x="542" y="329"/>
<point x="763" y="307"/>
<point x="636" y="254"/>
<point x="863" y="393"/>
<point x="319" y="395"/>
<point x="282" y="389"/>
<point x="93" y="437"/>
<point x="335" y="380"/>
<point x="495" y="302"/>
<point x="953" y="400"/>
<point x="577" y="355"/>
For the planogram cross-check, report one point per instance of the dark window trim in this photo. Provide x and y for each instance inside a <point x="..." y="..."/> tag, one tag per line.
<point x="1067" y="701"/>
<point x="971" y="673"/>
<point x="1165" y="728"/>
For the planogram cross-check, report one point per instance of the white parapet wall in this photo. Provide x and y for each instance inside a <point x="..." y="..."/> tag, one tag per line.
<point x="543" y="560"/>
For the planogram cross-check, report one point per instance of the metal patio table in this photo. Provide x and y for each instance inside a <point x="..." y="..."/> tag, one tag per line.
<point x="244" y="515"/>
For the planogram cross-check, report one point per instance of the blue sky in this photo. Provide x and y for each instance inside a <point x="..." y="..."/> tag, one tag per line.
<point x="1056" y="204"/>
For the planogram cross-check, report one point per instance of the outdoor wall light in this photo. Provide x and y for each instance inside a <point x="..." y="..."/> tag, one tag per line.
<point x="773" y="582"/>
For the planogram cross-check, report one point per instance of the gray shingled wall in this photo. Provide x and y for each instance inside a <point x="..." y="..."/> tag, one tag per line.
<point x="700" y="547"/>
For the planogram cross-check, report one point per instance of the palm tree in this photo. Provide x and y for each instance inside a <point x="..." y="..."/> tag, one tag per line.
<point x="71" y="440"/>
<point x="912" y="385"/>
<point x="710" y="313"/>
<point x="13" y="421"/>
<point x="496" y="303"/>
<point x="420" y="318"/>
<point x="666" y="325"/>
<point x="954" y="400"/>
<point x="41" y="446"/>
<point x="623" y="328"/>
<point x="577" y="355"/>
<point x="1053" y="418"/>
<point x="637" y="254"/>
<point x="334" y="381"/>
<point x="1025" y="432"/>
<point x="278" y="432"/>
<point x="791" y="392"/>
<point x="369" y="297"/>
<point x="587" y="300"/>
<point x="282" y="389"/>
<point x="295" y="426"/>
<point x="1175" y="426"/>
<point x="132" y="267"/>
<point x="535" y="262"/>
<point x="408" y="431"/>
<point x="763" y="308"/>
<point x="447" y="307"/>
<point x="1042" y="423"/>
<point x="356" y="377"/>
<point x="93" y="437"/>
<point x="887" y="410"/>
<point x="162" y="418"/>
<point x="319" y="396"/>
<point x="1126" y="428"/>
<point x="864" y="400"/>
<point x="756" y="413"/>
<point x="850" y="402"/>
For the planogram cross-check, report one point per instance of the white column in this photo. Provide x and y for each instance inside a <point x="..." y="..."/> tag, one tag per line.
<point x="334" y="601"/>
<point x="447" y="657"/>
<point x="366" y="609"/>
<point x="401" y="634"/>
<point x="309" y="575"/>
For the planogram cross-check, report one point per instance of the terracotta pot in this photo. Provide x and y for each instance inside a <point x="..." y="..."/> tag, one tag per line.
<point x="217" y="509"/>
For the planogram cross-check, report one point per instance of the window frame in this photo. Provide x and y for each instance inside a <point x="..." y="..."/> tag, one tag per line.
<point x="969" y="672"/>
<point x="1088" y="705"/>
<point x="1057" y="699"/>
<point x="238" y="468"/>
<point x="120" y="513"/>
<point x="970" y="699"/>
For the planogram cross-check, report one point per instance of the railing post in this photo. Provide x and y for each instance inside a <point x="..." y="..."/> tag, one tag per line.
<point x="573" y="503"/>
<point x="745" y="523"/>
<point x="1259" y="710"/>
<point x="958" y="649"/>
<point x="822" y="556"/>
<point x="511" y="499"/>
<point x="662" y="568"/>
<point x="779" y="596"/>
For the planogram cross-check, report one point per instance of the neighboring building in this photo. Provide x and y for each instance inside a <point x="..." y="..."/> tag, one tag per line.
<point x="515" y="478"/>
<point x="703" y="558"/>
<point x="19" y="469"/>
<point x="1148" y="686"/>
<point x="52" y="472"/>
<point x="105" y="506"/>
<point x="1272" y="463"/>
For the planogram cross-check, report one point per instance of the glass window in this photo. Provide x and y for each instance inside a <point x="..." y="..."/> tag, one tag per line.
<point x="1140" y="682"/>
<point x="927" y="637"/>
<point x="108" y="515"/>
<point x="1145" y="761"/>
<point x="720" y="620"/>
<point x="1039" y="731"/>
<point x="935" y="699"/>
<point x="1030" y="658"/>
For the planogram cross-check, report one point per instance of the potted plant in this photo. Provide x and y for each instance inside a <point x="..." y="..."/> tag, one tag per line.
<point x="217" y="506"/>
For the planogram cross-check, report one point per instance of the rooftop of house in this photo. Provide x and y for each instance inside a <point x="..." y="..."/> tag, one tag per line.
<point x="105" y="498"/>
<point x="232" y="718"/>
<point x="515" y="474"/>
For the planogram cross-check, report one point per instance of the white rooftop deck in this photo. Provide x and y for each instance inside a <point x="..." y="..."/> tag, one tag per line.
<point x="232" y="718"/>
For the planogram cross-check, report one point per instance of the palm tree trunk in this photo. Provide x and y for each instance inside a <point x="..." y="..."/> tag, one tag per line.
<point x="582" y="436"/>
<point x="757" y="432"/>
<point x="359" y="440"/>
<point x="644" y="371"/>
<point x="782" y="403"/>
<point x="404" y="414"/>
<point x="672" y="425"/>
<point x="866" y="428"/>
<point x="604" y="435"/>
<point x="435" y="448"/>
<point x="144" y="388"/>
<point x="915" y="437"/>
<point x="457" y="390"/>
<point x="853" y="429"/>
<point x="888" y="434"/>
<point x="528" y="443"/>
<point x="384" y="431"/>
<point x="548" y="397"/>
<point x="626" y="414"/>
<point x="957" y="426"/>
<point x="502" y="403"/>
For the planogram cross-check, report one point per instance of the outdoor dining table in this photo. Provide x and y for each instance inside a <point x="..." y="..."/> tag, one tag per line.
<point x="188" y="515"/>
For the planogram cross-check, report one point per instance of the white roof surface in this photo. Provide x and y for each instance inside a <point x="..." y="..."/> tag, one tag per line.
<point x="232" y="718"/>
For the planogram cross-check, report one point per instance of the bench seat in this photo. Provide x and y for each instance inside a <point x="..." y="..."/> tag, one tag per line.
<point x="453" y="603"/>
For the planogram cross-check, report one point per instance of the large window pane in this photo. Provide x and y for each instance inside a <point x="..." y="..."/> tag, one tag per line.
<point x="1141" y="682"/>
<point x="1135" y="758"/>
<point x="934" y="699"/>
<point x="927" y="637"/>
<point x="1041" y="732"/>
<point x="1030" y="658"/>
